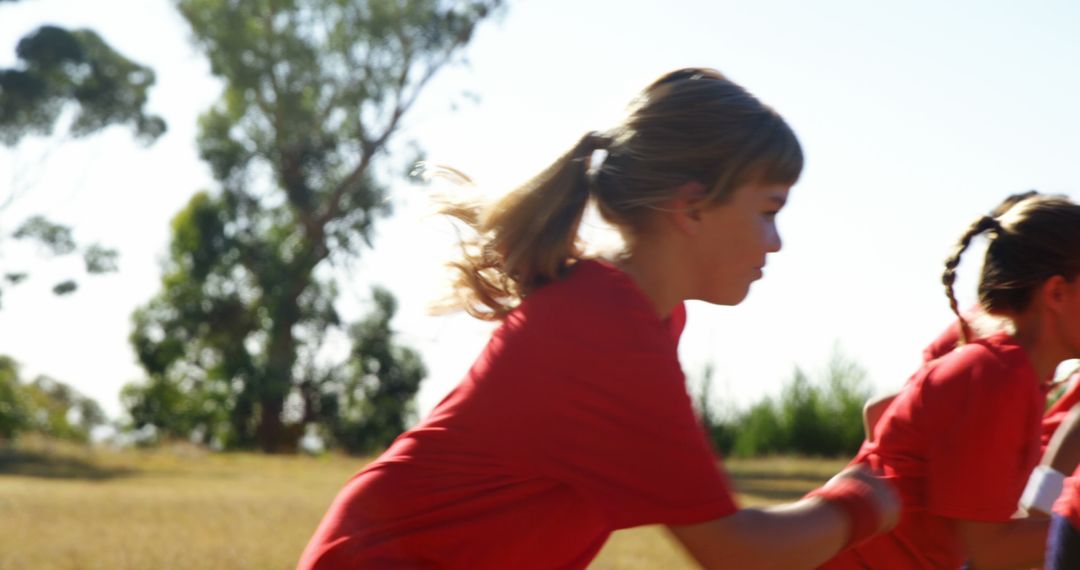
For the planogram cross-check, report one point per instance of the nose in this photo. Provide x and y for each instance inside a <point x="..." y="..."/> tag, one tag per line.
<point x="774" y="243"/>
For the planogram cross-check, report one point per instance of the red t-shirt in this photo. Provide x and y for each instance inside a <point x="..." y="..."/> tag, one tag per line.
<point x="959" y="441"/>
<point x="1057" y="412"/>
<point x="1052" y="418"/>
<point x="1068" y="504"/>
<point x="573" y="422"/>
<point x="944" y="343"/>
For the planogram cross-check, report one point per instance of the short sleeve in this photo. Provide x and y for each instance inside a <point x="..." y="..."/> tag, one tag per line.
<point x="987" y="414"/>
<point x="639" y="452"/>
<point x="611" y="419"/>
<point x="943" y="344"/>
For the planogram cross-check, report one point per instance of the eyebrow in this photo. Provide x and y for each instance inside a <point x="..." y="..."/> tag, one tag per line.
<point x="778" y="200"/>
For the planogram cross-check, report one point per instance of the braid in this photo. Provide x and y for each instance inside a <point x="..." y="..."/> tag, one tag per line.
<point x="948" y="278"/>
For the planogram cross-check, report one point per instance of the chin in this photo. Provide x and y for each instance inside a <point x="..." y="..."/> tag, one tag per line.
<point x="729" y="298"/>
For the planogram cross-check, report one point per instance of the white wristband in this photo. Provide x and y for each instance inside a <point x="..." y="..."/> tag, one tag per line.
<point x="1042" y="490"/>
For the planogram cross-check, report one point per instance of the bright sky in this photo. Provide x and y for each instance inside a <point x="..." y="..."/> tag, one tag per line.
<point x="915" y="119"/>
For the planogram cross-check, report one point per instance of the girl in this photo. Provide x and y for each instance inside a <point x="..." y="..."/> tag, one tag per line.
<point x="575" y="420"/>
<point x="1063" y="543"/>
<point x="963" y="435"/>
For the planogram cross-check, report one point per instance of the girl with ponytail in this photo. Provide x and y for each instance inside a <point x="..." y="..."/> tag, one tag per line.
<point x="575" y="420"/>
<point x="962" y="437"/>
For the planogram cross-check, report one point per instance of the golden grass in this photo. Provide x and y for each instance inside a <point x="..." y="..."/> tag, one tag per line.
<point x="66" y="507"/>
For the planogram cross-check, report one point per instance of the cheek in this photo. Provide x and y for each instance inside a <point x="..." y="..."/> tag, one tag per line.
<point x="1072" y="324"/>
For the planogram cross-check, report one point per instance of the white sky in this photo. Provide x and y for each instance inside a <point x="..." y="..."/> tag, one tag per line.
<point x="915" y="118"/>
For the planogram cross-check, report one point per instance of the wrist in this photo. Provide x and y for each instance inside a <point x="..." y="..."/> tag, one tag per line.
<point x="855" y="498"/>
<point x="1043" y="488"/>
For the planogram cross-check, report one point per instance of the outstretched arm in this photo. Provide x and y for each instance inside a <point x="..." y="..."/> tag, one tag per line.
<point x="800" y="535"/>
<point x="1063" y="452"/>
<point x="1059" y="460"/>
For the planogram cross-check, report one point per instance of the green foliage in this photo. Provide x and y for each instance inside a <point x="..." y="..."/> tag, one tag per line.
<point x="100" y="259"/>
<point x="57" y="70"/>
<point x="44" y="406"/>
<point x="58" y="240"/>
<point x="65" y="287"/>
<point x="822" y="418"/>
<point x="381" y="384"/>
<point x="760" y="431"/>
<point x="14" y="415"/>
<point x="176" y="413"/>
<point x="314" y="92"/>
<point x="58" y="67"/>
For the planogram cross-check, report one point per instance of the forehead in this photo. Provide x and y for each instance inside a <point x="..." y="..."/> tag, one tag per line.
<point x="758" y="193"/>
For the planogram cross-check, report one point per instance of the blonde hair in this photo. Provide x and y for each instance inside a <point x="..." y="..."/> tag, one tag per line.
<point x="691" y="125"/>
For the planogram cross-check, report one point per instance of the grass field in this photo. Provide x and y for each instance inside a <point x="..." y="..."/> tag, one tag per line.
<point x="65" y="507"/>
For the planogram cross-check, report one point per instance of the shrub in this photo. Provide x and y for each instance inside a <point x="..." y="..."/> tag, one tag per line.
<point x="822" y="418"/>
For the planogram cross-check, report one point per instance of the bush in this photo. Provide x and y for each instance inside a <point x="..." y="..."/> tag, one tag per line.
<point x="44" y="406"/>
<point x="822" y="418"/>
<point x="13" y="406"/>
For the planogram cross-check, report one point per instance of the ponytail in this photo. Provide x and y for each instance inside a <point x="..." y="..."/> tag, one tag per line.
<point x="524" y="240"/>
<point x="985" y="223"/>
<point x="991" y="285"/>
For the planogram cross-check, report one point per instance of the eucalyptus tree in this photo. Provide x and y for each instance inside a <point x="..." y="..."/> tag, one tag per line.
<point x="314" y="95"/>
<point x="76" y="73"/>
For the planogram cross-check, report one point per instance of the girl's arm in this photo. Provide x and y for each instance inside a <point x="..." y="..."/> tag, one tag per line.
<point x="872" y="412"/>
<point x="1063" y="451"/>
<point x="800" y="535"/>
<point x="1061" y="456"/>
<point x="1019" y="543"/>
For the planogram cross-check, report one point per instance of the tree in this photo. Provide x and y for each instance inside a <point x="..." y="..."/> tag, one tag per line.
<point x="74" y="71"/>
<point x="44" y="406"/>
<point x="14" y="417"/>
<point x="376" y="395"/>
<point x="315" y="92"/>
<point x="846" y="390"/>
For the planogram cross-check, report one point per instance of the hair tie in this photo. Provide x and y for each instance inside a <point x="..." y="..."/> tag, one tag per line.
<point x="596" y="162"/>
<point x="593" y="152"/>
<point x="988" y="224"/>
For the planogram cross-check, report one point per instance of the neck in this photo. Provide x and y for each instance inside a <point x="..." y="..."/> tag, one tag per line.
<point x="656" y="272"/>
<point x="1042" y="348"/>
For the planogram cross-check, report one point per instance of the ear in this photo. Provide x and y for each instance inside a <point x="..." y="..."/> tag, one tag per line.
<point x="686" y="207"/>
<point x="1054" y="293"/>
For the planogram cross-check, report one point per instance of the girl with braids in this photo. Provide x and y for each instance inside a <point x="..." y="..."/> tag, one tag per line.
<point x="1063" y="544"/>
<point x="962" y="437"/>
<point x="575" y="420"/>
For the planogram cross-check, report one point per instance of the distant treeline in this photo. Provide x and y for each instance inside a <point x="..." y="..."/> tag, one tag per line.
<point x="43" y="405"/>
<point x="819" y="417"/>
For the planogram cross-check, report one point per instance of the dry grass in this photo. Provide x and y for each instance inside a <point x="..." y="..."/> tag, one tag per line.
<point x="65" y="507"/>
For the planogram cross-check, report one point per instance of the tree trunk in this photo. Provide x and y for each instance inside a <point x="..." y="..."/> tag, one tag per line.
<point x="271" y="431"/>
<point x="273" y="435"/>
